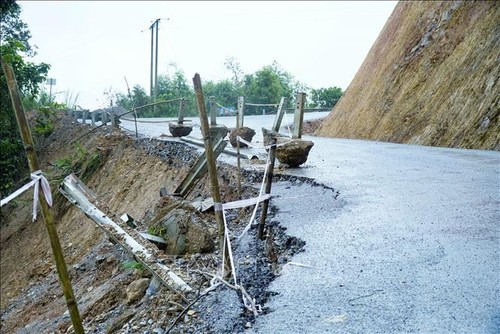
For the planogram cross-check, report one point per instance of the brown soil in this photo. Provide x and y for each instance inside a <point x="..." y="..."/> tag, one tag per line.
<point x="432" y="77"/>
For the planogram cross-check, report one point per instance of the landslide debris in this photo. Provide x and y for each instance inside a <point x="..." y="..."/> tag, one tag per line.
<point x="114" y="292"/>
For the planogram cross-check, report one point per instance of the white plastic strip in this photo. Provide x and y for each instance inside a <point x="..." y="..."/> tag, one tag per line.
<point x="241" y="140"/>
<point x="37" y="180"/>
<point x="261" y="193"/>
<point x="218" y="206"/>
<point x="17" y="192"/>
<point x="245" y="202"/>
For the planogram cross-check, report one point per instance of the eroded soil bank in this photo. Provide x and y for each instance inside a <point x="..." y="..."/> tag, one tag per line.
<point x="111" y="288"/>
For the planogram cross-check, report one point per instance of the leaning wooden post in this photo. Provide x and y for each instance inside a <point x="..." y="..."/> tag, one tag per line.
<point x="104" y="117"/>
<point x="213" y="110"/>
<point x="34" y="166"/>
<point x="279" y="115"/>
<point x="85" y="115"/>
<point x="299" y="115"/>
<point x="267" y="190"/>
<point x="212" y="169"/>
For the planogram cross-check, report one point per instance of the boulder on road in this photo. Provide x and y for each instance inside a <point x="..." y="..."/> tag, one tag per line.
<point x="243" y="132"/>
<point x="294" y="152"/>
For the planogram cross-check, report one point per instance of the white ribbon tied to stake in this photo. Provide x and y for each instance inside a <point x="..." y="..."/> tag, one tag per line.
<point x="37" y="180"/>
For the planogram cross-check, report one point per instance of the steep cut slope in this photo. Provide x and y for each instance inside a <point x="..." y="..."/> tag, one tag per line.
<point x="431" y="78"/>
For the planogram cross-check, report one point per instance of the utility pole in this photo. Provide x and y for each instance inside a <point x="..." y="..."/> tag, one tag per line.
<point x="156" y="64"/>
<point x="153" y="90"/>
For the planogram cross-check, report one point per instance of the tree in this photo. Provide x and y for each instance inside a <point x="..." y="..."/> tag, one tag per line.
<point x="233" y="66"/>
<point x="325" y="97"/>
<point x="268" y="85"/>
<point x="15" y="47"/>
<point x="138" y="97"/>
<point x="225" y="92"/>
<point x="170" y="86"/>
<point x="174" y="86"/>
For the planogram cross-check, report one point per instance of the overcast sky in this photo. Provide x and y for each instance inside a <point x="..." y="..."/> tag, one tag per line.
<point x="93" y="45"/>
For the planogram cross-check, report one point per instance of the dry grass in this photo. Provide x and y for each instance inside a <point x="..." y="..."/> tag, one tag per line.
<point x="431" y="78"/>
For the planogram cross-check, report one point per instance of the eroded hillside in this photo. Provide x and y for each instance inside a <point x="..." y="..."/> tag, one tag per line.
<point x="431" y="78"/>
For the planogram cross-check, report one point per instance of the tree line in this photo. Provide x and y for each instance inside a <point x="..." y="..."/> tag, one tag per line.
<point x="267" y="85"/>
<point x="15" y="49"/>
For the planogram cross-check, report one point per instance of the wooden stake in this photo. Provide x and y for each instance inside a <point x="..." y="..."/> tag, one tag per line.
<point x="269" y="181"/>
<point x="24" y="129"/>
<point x="239" y="122"/>
<point x="213" y="110"/>
<point x="298" y="115"/>
<point x="212" y="169"/>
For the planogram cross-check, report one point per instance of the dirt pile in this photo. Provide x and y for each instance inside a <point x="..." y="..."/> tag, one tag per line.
<point x="431" y="78"/>
<point x="114" y="292"/>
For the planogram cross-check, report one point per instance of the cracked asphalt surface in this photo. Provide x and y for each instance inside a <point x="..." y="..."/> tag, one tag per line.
<point x="411" y="245"/>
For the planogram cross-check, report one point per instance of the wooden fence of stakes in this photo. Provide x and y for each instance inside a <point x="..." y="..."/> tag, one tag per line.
<point x="212" y="171"/>
<point x="48" y="218"/>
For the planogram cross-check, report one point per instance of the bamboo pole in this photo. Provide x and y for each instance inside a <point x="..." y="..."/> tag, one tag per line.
<point x="238" y="158"/>
<point x="133" y="108"/>
<point x="267" y="190"/>
<point x="212" y="170"/>
<point x="24" y="129"/>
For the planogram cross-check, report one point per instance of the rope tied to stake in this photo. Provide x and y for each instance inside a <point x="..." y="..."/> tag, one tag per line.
<point x="37" y="181"/>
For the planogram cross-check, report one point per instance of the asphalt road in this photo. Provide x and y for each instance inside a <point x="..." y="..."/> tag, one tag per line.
<point x="411" y="244"/>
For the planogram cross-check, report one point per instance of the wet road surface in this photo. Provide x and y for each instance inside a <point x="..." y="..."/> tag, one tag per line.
<point x="410" y="245"/>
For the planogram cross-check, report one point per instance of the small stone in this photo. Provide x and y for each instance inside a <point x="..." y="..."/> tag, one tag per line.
<point x="158" y="330"/>
<point x="115" y="271"/>
<point x="191" y="313"/>
<point x="100" y="259"/>
<point x="136" y="290"/>
<point x="248" y="324"/>
<point x="111" y="259"/>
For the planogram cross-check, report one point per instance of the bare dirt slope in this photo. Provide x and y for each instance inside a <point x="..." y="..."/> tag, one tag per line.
<point x="431" y="78"/>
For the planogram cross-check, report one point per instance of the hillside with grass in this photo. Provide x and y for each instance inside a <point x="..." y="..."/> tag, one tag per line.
<point x="431" y="78"/>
